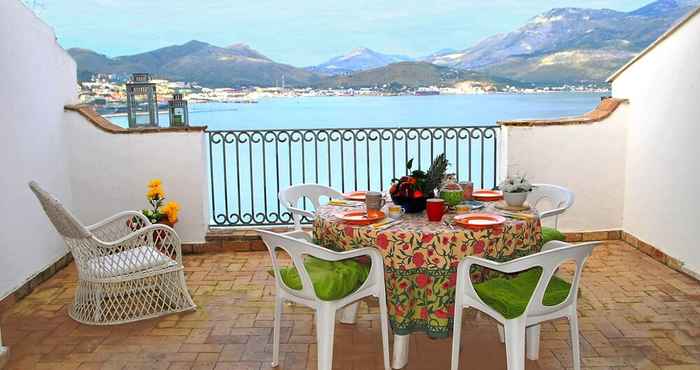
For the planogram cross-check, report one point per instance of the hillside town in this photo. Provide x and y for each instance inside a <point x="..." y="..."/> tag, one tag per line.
<point x="108" y="95"/>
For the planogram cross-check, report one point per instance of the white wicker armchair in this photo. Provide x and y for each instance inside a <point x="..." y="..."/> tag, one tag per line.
<point x="128" y="268"/>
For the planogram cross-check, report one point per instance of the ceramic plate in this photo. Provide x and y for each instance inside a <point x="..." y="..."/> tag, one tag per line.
<point x="356" y="195"/>
<point x="479" y="221"/>
<point x="487" y="195"/>
<point x="360" y="217"/>
<point x="474" y="204"/>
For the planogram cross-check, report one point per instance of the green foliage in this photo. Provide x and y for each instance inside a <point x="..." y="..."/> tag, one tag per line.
<point x="418" y="180"/>
<point x="436" y="173"/>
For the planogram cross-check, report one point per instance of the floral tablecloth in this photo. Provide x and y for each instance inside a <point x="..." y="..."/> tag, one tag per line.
<point x="421" y="257"/>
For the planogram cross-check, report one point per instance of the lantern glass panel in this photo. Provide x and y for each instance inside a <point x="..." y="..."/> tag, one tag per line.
<point x="178" y="116"/>
<point x="142" y="105"/>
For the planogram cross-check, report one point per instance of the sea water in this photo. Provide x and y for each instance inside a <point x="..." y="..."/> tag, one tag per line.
<point x="245" y="192"/>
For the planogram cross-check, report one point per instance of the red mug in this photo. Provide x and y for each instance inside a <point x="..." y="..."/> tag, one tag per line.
<point x="435" y="208"/>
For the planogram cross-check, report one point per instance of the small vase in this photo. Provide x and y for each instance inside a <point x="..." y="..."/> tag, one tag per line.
<point x="515" y="199"/>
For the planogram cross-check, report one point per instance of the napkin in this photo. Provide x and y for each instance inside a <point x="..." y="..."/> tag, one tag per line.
<point x="339" y="202"/>
<point x="517" y="215"/>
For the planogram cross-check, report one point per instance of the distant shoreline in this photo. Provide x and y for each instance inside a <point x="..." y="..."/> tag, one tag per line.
<point x="195" y="103"/>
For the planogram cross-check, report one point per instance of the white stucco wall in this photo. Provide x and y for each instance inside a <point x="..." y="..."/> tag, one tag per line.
<point x="109" y="173"/>
<point x="38" y="79"/>
<point x="589" y="159"/>
<point x="663" y="152"/>
<point x="94" y="173"/>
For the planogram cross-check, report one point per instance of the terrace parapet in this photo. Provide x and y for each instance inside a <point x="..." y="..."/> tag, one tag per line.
<point x="601" y="112"/>
<point x="105" y="125"/>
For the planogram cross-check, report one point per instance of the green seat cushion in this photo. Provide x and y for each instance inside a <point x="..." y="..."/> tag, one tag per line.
<point x="549" y="234"/>
<point x="510" y="296"/>
<point x="331" y="280"/>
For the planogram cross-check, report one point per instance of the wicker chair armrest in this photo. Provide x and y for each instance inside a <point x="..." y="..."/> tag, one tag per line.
<point x="161" y="237"/>
<point x="119" y="225"/>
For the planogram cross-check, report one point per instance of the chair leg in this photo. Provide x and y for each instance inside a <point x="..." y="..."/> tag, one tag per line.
<point x="384" y="320"/>
<point x="501" y="333"/>
<point x="401" y="343"/>
<point x="457" y="336"/>
<point x="276" y="332"/>
<point x="515" y="344"/>
<point x="348" y="315"/>
<point x="575" y="346"/>
<point x="532" y="341"/>
<point x="325" y="329"/>
<point x="183" y="286"/>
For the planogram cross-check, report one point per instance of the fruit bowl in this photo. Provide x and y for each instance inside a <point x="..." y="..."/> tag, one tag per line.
<point x="410" y="204"/>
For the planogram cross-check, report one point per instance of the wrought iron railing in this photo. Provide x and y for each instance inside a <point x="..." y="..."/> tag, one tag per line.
<point x="249" y="167"/>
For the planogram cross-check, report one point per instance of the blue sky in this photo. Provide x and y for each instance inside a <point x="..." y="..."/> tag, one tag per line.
<point x="298" y="32"/>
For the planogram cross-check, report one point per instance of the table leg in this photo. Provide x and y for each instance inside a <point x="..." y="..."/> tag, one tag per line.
<point x="348" y="315"/>
<point x="532" y="342"/>
<point x="401" y="343"/>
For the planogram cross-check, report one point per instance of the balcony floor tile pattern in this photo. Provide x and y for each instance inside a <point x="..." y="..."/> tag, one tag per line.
<point x="634" y="314"/>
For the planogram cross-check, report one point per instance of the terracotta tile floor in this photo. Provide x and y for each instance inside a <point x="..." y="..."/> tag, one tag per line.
<point x="634" y="313"/>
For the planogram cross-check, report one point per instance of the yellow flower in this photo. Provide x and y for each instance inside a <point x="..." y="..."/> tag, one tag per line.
<point x="171" y="210"/>
<point x="155" y="183"/>
<point x="155" y="193"/>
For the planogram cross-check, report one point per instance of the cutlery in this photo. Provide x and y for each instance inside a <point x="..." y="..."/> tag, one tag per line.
<point x="382" y="222"/>
<point x="388" y="225"/>
<point x="448" y="223"/>
<point x="344" y="203"/>
<point x="518" y="216"/>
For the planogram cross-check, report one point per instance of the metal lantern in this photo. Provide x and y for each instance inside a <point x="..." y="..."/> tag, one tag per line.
<point x="141" y="101"/>
<point x="179" y="116"/>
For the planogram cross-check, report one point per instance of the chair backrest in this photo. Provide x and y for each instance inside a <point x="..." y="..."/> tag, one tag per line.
<point x="559" y="197"/>
<point x="291" y="196"/>
<point x="62" y="219"/>
<point x="296" y="249"/>
<point x="558" y="253"/>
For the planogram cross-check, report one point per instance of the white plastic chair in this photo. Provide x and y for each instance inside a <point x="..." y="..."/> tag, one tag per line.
<point x="128" y="269"/>
<point x="291" y="196"/>
<point x="297" y="248"/>
<point x="559" y="197"/>
<point x="535" y="312"/>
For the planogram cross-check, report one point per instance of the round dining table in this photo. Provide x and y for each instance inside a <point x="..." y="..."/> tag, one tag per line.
<point x="421" y="258"/>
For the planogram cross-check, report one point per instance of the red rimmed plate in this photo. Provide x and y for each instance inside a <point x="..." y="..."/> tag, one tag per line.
<point x="479" y="221"/>
<point x="360" y="217"/>
<point x="356" y="195"/>
<point x="487" y="195"/>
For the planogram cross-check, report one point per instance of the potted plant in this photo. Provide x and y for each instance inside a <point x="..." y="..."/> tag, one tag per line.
<point x="411" y="192"/>
<point x="160" y="213"/>
<point x="515" y="190"/>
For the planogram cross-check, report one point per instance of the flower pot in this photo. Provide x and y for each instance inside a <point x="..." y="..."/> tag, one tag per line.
<point x="515" y="199"/>
<point x="159" y="236"/>
<point x="165" y="221"/>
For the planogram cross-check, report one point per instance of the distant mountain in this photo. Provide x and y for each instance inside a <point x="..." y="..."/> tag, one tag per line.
<point x="359" y="59"/>
<point x="410" y="75"/>
<point x="569" y="44"/>
<point x="564" y="45"/>
<point x="196" y="61"/>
